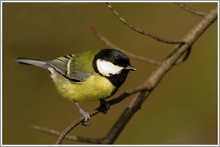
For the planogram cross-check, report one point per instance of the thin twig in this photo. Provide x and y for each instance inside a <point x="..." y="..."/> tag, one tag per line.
<point x="51" y="131"/>
<point x="108" y="43"/>
<point x="44" y="129"/>
<point x="68" y="137"/>
<point x="68" y="129"/>
<point x="121" y="19"/>
<point x="199" y="13"/>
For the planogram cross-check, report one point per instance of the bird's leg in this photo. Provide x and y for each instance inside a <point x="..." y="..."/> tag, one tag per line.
<point x="84" y="113"/>
<point x="104" y="105"/>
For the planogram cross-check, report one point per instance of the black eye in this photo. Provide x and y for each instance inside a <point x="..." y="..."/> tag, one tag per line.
<point x="116" y="62"/>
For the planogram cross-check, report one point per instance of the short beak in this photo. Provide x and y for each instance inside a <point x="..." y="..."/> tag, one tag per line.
<point x="130" y="68"/>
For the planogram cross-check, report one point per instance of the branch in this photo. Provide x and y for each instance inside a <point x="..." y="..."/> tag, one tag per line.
<point x="121" y="19"/>
<point x="199" y="13"/>
<point x="108" y="43"/>
<point x="69" y="137"/>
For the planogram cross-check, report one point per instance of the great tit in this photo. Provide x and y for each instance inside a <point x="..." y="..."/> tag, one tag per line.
<point x="86" y="76"/>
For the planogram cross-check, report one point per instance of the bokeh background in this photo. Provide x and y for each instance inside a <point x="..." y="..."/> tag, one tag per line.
<point x="181" y="110"/>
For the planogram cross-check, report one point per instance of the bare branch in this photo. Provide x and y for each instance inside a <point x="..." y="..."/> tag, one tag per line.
<point x="69" y="137"/>
<point x="68" y="129"/>
<point x="199" y="13"/>
<point x="44" y="129"/>
<point x="139" y="30"/>
<point x="108" y="43"/>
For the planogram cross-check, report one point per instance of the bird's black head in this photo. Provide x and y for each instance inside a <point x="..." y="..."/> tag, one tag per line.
<point x="112" y="64"/>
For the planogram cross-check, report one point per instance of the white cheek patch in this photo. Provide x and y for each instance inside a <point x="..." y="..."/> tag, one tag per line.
<point x="107" y="68"/>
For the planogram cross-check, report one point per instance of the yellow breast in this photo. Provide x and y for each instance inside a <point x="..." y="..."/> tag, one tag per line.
<point x="94" y="88"/>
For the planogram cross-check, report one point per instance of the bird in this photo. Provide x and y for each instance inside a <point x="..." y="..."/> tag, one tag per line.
<point x="86" y="76"/>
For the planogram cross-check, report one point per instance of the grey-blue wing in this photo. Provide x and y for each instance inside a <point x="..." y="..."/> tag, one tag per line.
<point x="65" y="66"/>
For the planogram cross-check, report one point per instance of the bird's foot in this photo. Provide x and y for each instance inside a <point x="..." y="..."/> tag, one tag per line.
<point x="86" y="117"/>
<point x="104" y="106"/>
<point x="83" y="113"/>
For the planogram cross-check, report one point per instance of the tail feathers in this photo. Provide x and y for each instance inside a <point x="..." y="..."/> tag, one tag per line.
<point x="35" y="62"/>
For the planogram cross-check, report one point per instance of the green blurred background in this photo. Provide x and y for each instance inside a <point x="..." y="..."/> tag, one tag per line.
<point x="181" y="110"/>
